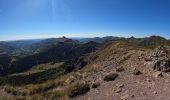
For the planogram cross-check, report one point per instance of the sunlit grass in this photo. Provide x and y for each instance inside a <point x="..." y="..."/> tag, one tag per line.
<point x="39" y="68"/>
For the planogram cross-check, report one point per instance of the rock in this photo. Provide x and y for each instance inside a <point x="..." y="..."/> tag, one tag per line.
<point x="111" y="77"/>
<point x="158" y="74"/>
<point x="95" y="85"/>
<point x="71" y="79"/>
<point x="120" y="69"/>
<point x="148" y="80"/>
<point x="132" y="96"/>
<point x="159" y="60"/>
<point x="125" y="97"/>
<point x="154" y="92"/>
<point x="120" y="85"/>
<point x="136" y="72"/>
<point x="78" y="89"/>
<point x="118" y="90"/>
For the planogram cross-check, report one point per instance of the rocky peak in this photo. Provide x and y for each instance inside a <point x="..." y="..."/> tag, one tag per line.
<point x="159" y="60"/>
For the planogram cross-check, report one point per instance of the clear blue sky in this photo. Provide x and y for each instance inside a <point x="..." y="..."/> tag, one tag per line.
<point x="22" y="19"/>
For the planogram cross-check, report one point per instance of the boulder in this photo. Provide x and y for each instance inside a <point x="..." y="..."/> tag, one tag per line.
<point x="111" y="77"/>
<point x="120" y="69"/>
<point x="95" y="84"/>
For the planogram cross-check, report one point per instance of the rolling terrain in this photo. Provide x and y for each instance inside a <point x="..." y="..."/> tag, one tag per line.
<point x="66" y="69"/>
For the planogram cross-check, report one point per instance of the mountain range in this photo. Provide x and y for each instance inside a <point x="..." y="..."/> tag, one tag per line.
<point x="110" y="68"/>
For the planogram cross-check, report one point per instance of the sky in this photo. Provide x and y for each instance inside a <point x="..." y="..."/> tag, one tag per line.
<point x="27" y="19"/>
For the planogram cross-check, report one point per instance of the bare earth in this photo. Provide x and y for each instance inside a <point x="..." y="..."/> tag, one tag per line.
<point x="149" y="85"/>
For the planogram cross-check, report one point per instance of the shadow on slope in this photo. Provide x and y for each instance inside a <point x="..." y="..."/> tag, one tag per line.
<point x="34" y="78"/>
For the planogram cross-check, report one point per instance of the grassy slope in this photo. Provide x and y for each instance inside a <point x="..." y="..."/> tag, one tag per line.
<point x="38" y="74"/>
<point x="40" y="68"/>
<point x="44" y="83"/>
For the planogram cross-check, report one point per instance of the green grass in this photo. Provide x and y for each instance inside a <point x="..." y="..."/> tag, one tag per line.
<point x="38" y="74"/>
<point x="39" y="82"/>
<point x="40" y="68"/>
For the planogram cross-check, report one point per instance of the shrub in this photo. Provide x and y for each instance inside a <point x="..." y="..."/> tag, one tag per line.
<point x="78" y="89"/>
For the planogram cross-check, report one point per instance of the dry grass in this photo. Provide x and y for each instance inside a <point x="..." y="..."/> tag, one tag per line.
<point x="48" y="89"/>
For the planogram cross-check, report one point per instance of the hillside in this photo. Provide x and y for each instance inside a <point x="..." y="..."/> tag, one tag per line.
<point x="128" y="72"/>
<point x="149" y="42"/>
<point x="98" y="39"/>
<point x="51" y="50"/>
<point x="121" y="69"/>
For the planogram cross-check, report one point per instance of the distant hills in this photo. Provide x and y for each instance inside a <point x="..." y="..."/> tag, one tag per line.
<point x="33" y="45"/>
<point x="151" y="41"/>
<point x="47" y="68"/>
<point x="97" y="39"/>
<point x="22" y="55"/>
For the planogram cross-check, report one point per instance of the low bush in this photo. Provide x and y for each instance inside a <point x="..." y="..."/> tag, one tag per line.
<point x="78" y="89"/>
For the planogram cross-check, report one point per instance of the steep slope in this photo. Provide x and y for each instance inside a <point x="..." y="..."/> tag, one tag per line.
<point x="66" y="51"/>
<point x="5" y="60"/>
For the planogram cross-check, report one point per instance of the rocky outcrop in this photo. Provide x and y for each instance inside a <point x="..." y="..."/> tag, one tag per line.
<point x="159" y="59"/>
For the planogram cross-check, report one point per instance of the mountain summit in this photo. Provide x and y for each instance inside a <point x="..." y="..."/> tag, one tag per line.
<point x="62" y="69"/>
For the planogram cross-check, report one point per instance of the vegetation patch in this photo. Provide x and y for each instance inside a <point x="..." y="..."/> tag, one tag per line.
<point x="78" y="89"/>
<point x="33" y="78"/>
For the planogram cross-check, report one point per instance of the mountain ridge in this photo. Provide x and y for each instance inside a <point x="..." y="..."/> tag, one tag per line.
<point x="121" y="68"/>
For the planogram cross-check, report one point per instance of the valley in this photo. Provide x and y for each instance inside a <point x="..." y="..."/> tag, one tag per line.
<point x="66" y="69"/>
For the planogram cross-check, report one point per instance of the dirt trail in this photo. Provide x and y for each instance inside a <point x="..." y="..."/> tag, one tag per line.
<point x="149" y="85"/>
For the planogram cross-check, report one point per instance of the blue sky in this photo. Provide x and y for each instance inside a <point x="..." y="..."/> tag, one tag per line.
<point x="24" y="19"/>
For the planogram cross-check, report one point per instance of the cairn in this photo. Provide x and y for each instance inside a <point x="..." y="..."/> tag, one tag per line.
<point x="159" y="59"/>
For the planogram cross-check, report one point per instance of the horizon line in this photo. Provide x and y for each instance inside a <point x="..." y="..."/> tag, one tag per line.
<point x="41" y="38"/>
